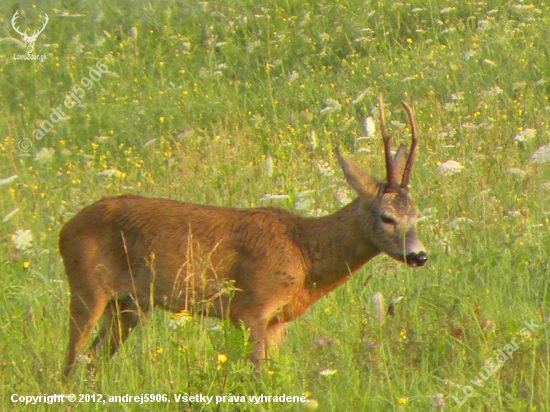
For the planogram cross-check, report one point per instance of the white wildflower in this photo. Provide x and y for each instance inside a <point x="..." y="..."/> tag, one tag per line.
<point x="447" y="10"/>
<point x="469" y="54"/>
<point x="427" y="214"/>
<point x="22" y="239"/>
<point x="438" y="401"/>
<point x="110" y="173"/>
<point x="516" y="172"/>
<point x="318" y="213"/>
<point x="83" y="359"/>
<point x="179" y="319"/>
<point x="520" y="8"/>
<point x="331" y="106"/>
<point x="304" y="193"/>
<point x="379" y="306"/>
<point x="293" y="76"/>
<point x="513" y="213"/>
<point x="525" y="135"/>
<point x="100" y="138"/>
<point x="327" y="372"/>
<point x="361" y="39"/>
<point x="456" y="96"/>
<point x="303" y="204"/>
<point x="304" y="20"/>
<point x="44" y="155"/>
<point x="493" y="91"/>
<point x="134" y="33"/>
<point x="324" y="37"/>
<point x="450" y="107"/>
<point x="448" y="30"/>
<point x="395" y="124"/>
<point x="7" y="180"/>
<point x="541" y="155"/>
<point x="483" y="24"/>
<point x="460" y="221"/>
<point x="203" y="73"/>
<point x="268" y="166"/>
<point x="470" y="127"/>
<point x="257" y="120"/>
<point x="268" y="197"/>
<point x="417" y="10"/>
<point x="370" y="127"/>
<point x="313" y="140"/>
<point x="449" y="134"/>
<point x="251" y="46"/>
<point x="343" y="196"/>
<point x="488" y="126"/>
<point x="429" y="211"/>
<point x="449" y="168"/>
<point x="324" y="169"/>
<point x="519" y="85"/>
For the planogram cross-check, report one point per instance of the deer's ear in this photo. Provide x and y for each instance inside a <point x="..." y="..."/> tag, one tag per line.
<point x="399" y="162"/>
<point x="360" y="181"/>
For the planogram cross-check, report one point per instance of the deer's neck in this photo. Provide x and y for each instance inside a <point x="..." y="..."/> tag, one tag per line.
<point x="335" y="247"/>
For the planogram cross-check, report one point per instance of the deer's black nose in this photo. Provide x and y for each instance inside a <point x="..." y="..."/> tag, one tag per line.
<point x="417" y="259"/>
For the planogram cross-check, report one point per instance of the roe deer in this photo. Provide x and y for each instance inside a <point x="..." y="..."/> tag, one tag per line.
<point x="126" y="254"/>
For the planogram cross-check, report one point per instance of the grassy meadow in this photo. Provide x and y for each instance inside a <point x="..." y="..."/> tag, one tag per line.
<point x="239" y="103"/>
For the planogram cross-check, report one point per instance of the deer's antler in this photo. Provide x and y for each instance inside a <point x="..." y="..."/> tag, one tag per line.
<point x="412" y="153"/>
<point x="37" y="32"/>
<point x="387" y="145"/>
<point x="24" y="34"/>
<point x="13" y="20"/>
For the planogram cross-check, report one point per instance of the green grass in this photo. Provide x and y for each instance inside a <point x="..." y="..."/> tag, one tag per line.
<point x="190" y="109"/>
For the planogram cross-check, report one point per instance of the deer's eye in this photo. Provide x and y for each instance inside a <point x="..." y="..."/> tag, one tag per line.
<point x="387" y="220"/>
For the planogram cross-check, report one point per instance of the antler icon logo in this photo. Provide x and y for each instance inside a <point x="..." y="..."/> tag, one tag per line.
<point x="29" y="40"/>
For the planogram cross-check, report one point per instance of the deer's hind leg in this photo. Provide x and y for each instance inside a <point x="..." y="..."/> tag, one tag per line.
<point x="85" y="311"/>
<point x="120" y="317"/>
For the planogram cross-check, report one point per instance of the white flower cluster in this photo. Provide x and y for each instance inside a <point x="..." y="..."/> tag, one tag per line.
<point x="449" y="168"/>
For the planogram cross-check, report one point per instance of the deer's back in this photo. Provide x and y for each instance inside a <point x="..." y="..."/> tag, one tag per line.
<point x="123" y="242"/>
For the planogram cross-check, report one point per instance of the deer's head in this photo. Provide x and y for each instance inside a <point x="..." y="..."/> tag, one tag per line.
<point x="385" y="214"/>
<point x="29" y="40"/>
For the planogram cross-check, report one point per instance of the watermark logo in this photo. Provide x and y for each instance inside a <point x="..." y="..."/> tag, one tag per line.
<point x="30" y="41"/>
<point x="492" y="365"/>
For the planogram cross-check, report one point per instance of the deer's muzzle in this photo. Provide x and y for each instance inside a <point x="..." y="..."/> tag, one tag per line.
<point x="416" y="259"/>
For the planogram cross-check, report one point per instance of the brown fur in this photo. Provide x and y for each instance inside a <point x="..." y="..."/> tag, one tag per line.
<point x="126" y="254"/>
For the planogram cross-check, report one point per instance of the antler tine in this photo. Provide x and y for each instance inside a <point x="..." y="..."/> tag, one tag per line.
<point x="387" y="143"/>
<point x="46" y="20"/>
<point x="13" y="22"/>
<point x="37" y="32"/>
<point x="412" y="153"/>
